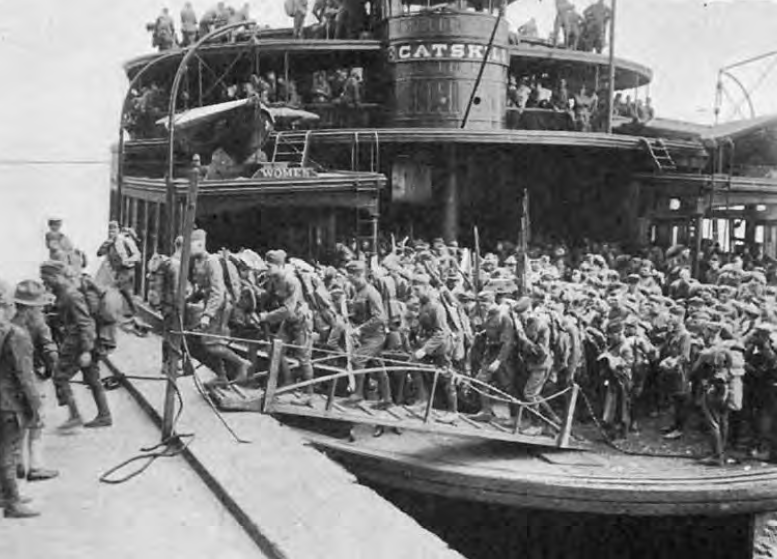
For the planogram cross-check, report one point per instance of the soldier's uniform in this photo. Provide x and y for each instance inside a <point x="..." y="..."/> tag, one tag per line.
<point x="30" y="298"/>
<point x="645" y="354"/>
<point x="596" y="17"/>
<point x="436" y="343"/>
<point x="369" y="318"/>
<point x="164" y="32"/>
<point x="19" y="404"/>
<point x="674" y="368"/>
<point x="122" y="255"/>
<point x="618" y="361"/>
<point x="536" y="353"/>
<point x="291" y="315"/>
<point x="497" y="342"/>
<point x="207" y="276"/>
<point x="79" y="337"/>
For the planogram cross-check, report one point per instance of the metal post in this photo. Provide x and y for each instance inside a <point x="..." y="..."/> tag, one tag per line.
<point x="611" y="90"/>
<point x="174" y="340"/>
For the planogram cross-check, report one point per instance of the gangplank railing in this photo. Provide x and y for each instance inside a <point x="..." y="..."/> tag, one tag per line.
<point x="325" y="362"/>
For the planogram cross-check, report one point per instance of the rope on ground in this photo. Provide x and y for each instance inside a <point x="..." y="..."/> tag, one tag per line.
<point x="172" y="446"/>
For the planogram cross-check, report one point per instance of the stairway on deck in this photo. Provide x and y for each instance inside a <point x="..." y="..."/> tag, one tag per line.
<point x="289" y="495"/>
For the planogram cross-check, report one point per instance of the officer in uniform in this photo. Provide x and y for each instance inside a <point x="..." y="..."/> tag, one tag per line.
<point x="369" y="320"/>
<point x="206" y="275"/>
<point x="30" y="298"/>
<point x="79" y="349"/>
<point x="435" y="341"/>
<point x="188" y="25"/>
<point x="19" y="402"/>
<point x="497" y="344"/>
<point x="291" y="315"/>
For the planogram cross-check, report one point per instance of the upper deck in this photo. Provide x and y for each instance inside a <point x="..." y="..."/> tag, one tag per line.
<point x="364" y="52"/>
<point x="432" y="69"/>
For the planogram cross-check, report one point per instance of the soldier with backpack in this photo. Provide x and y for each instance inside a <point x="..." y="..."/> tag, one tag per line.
<point x="123" y="255"/>
<point x="290" y="314"/>
<point x="79" y="349"/>
<point x="210" y="277"/>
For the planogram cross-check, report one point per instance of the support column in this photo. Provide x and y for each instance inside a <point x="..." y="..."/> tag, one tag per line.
<point x="450" y="218"/>
<point x="750" y="224"/>
<point x="158" y="232"/>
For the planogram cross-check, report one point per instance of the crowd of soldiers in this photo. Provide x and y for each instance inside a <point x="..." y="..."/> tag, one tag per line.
<point x="52" y="328"/>
<point x="638" y="334"/>
<point x="336" y="19"/>
<point x="165" y="37"/>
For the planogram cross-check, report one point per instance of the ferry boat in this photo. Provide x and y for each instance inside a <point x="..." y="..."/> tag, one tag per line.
<point x="430" y="147"/>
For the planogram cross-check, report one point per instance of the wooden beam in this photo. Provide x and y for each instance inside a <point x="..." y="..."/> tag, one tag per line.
<point x="144" y="250"/>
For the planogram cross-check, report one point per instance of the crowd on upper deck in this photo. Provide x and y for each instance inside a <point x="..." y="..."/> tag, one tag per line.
<point x="585" y="110"/>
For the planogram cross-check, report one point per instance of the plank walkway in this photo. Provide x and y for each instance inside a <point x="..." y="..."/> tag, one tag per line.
<point x="409" y="418"/>
<point x="292" y="499"/>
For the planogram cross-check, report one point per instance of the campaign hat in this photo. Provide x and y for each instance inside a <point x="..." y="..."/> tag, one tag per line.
<point x="32" y="294"/>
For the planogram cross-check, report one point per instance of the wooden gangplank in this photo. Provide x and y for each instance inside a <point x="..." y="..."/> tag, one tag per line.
<point x="408" y="418"/>
<point x="298" y="400"/>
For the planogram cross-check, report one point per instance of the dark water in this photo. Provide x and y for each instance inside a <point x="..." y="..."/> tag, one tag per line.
<point x="480" y="531"/>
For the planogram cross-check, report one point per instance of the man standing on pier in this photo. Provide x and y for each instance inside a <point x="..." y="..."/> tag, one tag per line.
<point x="19" y="402"/>
<point x="30" y="299"/>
